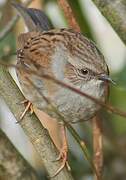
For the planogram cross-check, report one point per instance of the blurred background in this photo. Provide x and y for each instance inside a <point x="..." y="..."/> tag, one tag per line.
<point x="94" y="26"/>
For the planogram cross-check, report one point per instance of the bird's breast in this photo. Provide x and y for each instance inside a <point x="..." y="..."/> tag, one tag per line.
<point x="75" y="107"/>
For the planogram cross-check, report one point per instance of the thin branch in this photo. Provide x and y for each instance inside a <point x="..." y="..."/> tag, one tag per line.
<point x="10" y="157"/>
<point x="115" y="12"/>
<point x="98" y="145"/>
<point x="69" y="14"/>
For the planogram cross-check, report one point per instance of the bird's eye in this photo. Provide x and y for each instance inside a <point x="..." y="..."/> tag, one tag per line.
<point x="84" y="71"/>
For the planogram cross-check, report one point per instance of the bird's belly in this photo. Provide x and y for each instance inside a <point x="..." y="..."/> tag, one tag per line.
<point x="76" y="108"/>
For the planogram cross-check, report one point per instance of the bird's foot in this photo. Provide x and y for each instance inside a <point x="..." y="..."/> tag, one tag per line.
<point x="63" y="157"/>
<point x="63" y="153"/>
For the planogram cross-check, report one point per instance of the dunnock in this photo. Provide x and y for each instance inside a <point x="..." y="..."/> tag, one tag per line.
<point x="66" y="55"/>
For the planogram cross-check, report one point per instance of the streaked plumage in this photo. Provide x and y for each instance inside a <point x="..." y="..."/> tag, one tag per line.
<point x="63" y="54"/>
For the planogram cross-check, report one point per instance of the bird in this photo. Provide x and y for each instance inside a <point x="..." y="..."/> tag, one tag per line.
<point x="68" y="56"/>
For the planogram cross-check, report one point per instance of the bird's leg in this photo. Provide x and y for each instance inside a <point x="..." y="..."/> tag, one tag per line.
<point x="63" y="151"/>
<point x="27" y="108"/>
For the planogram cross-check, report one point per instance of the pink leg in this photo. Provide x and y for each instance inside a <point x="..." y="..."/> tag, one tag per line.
<point x="63" y="152"/>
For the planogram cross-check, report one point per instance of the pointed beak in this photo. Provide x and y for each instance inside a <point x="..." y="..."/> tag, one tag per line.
<point x="105" y="77"/>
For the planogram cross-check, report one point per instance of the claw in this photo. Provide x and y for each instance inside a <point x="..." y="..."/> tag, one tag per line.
<point x="62" y="154"/>
<point x="23" y="102"/>
<point x="28" y="106"/>
<point x="60" y="169"/>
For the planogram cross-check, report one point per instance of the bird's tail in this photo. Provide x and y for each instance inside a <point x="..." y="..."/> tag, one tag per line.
<point x="35" y="19"/>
